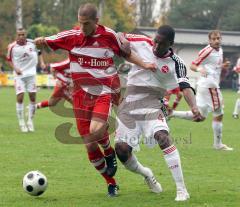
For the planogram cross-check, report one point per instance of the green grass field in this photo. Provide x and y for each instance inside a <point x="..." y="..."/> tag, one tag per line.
<point x="212" y="177"/>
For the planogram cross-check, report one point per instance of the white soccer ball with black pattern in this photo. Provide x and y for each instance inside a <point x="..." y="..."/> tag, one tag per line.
<point x="35" y="183"/>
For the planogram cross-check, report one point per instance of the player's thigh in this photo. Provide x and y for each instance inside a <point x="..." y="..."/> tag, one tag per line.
<point x="150" y="127"/>
<point x="129" y="134"/>
<point x="30" y="83"/>
<point x="19" y="85"/>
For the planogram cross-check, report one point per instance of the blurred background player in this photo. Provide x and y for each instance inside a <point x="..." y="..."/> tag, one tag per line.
<point x="140" y="113"/>
<point x="209" y="97"/>
<point x="237" y="104"/>
<point x="167" y="97"/>
<point x="63" y="88"/>
<point x="96" y="84"/>
<point x="23" y="58"/>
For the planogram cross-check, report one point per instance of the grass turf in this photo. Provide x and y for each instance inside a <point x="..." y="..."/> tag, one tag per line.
<point x="212" y="177"/>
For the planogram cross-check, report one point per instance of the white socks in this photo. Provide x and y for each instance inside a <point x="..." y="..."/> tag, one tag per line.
<point x="31" y="110"/>
<point x="237" y="107"/>
<point x="133" y="165"/>
<point x="217" y="131"/>
<point x="20" y="113"/>
<point x="173" y="161"/>
<point x="188" y="115"/>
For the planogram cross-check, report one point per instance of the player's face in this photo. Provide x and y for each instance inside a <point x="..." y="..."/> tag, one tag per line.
<point x="215" y="40"/>
<point x="87" y="25"/>
<point x="21" y="37"/>
<point x="161" y="45"/>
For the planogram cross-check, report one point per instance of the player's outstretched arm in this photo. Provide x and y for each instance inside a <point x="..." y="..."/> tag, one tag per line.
<point x="40" y="42"/>
<point x="191" y="101"/>
<point x="135" y="59"/>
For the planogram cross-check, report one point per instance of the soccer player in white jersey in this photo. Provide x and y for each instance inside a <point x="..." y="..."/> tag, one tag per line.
<point x="209" y="97"/>
<point x="141" y="113"/>
<point x="23" y="58"/>
<point x="237" y="104"/>
<point x="96" y="84"/>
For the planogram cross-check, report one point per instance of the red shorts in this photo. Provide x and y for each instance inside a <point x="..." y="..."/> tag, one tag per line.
<point x="174" y="91"/>
<point x="62" y="91"/>
<point x="87" y="106"/>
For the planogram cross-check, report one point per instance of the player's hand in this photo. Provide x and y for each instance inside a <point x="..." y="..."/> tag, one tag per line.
<point x="18" y="71"/>
<point x="40" y="41"/>
<point x="197" y="117"/>
<point x="202" y="70"/>
<point x="43" y="66"/>
<point x="226" y="65"/>
<point x="150" y="66"/>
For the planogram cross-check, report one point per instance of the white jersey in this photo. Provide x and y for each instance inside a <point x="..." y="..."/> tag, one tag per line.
<point x="23" y="57"/>
<point x="211" y="59"/>
<point x="171" y="70"/>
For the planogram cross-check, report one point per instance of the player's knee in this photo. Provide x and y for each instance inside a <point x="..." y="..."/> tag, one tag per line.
<point x="123" y="151"/>
<point x="163" y="139"/>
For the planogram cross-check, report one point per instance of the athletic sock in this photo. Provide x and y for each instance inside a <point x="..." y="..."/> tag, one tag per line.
<point x="42" y="104"/>
<point x="20" y="113"/>
<point x="217" y="132"/>
<point x="106" y="145"/>
<point x="188" y="115"/>
<point x="172" y="158"/>
<point x="98" y="161"/>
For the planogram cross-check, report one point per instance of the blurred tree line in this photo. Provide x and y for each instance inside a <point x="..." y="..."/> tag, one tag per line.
<point x="205" y="14"/>
<point x="47" y="17"/>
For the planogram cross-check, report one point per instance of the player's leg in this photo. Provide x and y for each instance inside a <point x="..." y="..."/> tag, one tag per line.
<point x="83" y="114"/>
<point x="217" y="127"/>
<point x="32" y="90"/>
<point x="177" y="100"/>
<point x="20" y="89"/>
<point x="56" y="96"/>
<point x="31" y="111"/>
<point x="98" y="130"/>
<point x="131" y="163"/>
<point x="236" y="109"/>
<point x="172" y="158"/>
<point x="127" y="137"/>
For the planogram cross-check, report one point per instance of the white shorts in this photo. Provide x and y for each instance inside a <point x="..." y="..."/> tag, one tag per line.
<point x="25" y="84"/>
<point x="209" y="100"/>
<point x="132" y="125"/>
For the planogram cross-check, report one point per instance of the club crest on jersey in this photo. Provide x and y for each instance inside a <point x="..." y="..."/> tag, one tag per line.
<point x="165" y="69"/>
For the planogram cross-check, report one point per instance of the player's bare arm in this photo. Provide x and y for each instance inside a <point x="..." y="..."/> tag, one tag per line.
<point x="191" y="101"/>
<point x="133" y="58"/>
<point x="17" y="70"/>
<point x="41" y="61"/>
<point x="199" y="69"/>
<point x="40" y="42"/>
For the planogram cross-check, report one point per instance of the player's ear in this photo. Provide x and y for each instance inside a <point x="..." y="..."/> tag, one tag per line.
<point x="97" y="19"/>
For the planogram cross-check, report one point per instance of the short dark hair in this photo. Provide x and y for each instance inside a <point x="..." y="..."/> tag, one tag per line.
<point x="214" y="32"/>
<point x="168" y="32"/>
<point x="89" y="10"/>
<point x="21" y="29"/>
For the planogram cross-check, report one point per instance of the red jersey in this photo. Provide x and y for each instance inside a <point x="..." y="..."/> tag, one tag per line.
<point x="91" y="58"/>
<point x="62" y="71"/>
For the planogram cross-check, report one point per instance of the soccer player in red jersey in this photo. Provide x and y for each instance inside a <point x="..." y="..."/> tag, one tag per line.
<point x="96" y="84"/>
<point x="177" y="93"/>
<point x="63" y="88"/>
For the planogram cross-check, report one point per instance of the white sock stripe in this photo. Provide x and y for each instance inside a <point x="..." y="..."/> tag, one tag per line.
<point x="169" y="149"/>
<point x="103" y="170"/>
<point x="106" y="145"/>
<point x="97" y="162"/>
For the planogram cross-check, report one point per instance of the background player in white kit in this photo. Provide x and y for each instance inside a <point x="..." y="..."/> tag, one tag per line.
<point x="141" y="113"/>
<point x="23" y="58"/>
<point x="209" y="97"/>
<point x="237" y="104"/>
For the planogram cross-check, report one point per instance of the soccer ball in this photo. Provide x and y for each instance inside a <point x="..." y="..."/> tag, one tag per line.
<point x="34" y="183"/>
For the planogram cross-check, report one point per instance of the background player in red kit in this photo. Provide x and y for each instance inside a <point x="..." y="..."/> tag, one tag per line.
<point x="169" y="93"/>
<point x="96" y="84"/>
<point x="63" y="88"/>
